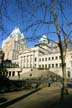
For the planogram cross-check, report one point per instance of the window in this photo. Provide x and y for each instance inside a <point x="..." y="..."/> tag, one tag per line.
<point x="56" y="65"/>
<point x="45" y="65"/>
<point x="56" y="57"/>
<point x="42" y="59"/>
<point x="9" y="73"/>
<point x="35" y="65"/>
<point x="49" y="65"/>
<point x="69" y="74"/>
<point x="42" y="66"/>
<point x="52" y="65"/>
<point x="24" y="59"/>
<point x="52" y="58"/>
<point x="49" y="58"/>
<point x="35" y="59"/>
<point x="45" y="59"/>
<point x="13" y="74"/>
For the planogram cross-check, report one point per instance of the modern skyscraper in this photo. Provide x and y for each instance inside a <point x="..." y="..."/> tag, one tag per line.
<point x="13" y="44"/>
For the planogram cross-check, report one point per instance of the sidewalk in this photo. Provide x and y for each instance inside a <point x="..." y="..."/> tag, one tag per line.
<point x="48" y="97"/>
<point x="40" y="99"/>
<point x="15" y="96"/>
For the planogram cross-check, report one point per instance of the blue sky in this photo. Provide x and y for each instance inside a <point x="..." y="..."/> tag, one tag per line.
<point x="22" y="13"/>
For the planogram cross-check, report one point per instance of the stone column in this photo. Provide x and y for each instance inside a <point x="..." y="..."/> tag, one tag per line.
<point x="34" y="60"/>
<point x="23" y="61"/>
<point x="26" y="61"/>
<point x="29" y="61"/>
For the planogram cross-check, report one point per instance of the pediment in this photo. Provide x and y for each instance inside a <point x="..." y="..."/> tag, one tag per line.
<point x="27" y="51"/>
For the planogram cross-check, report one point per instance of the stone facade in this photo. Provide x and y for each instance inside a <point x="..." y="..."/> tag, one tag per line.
<point x="1" y="56"/>
<point x="43" y="55"/>
<point x="13" y="44"/>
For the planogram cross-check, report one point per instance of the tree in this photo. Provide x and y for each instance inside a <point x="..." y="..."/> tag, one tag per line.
<point x="62" y="34"/>
<point x="46" y="17"/>
<point x="62" y="50"/>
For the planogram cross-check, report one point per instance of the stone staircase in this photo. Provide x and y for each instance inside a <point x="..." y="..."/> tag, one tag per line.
<point x="29" y="73"/>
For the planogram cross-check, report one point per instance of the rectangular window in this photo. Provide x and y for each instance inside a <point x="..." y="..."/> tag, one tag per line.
<point x="56" y="57"/>
<point x="52" y="65"/>
<point x="52" y="58"/>
<point x="49" y="66"/>
<point x="42" y="59"/>
<point x="45" y="59"/>
<point x="35" y="59"/>
<point x="6" y="73"/>
<point x="9" y="73"/>
<point x="56" y="65"/>
<point x="13" y="74"/>
<point x="42" y="66"/>
<point x="39" y="66"/>
<point x="69" y="74"/>
<point x="49" y="58"/>
<point x="35" y="65"/>
<point x="45" y="65"/>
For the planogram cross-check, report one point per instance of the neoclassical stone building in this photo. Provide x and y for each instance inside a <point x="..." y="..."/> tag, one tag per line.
<point x="42" y="55"/>
<point x="29" y="58"/>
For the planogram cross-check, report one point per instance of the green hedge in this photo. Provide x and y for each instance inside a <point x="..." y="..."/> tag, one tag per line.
<point x="43" y="68"/>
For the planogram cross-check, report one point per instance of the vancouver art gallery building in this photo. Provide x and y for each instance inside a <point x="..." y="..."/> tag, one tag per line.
<point x="42" y="55"/>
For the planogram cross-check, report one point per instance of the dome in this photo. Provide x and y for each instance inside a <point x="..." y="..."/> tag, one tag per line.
<point x="44" y="36"/>
<point x="44" y="39"/>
